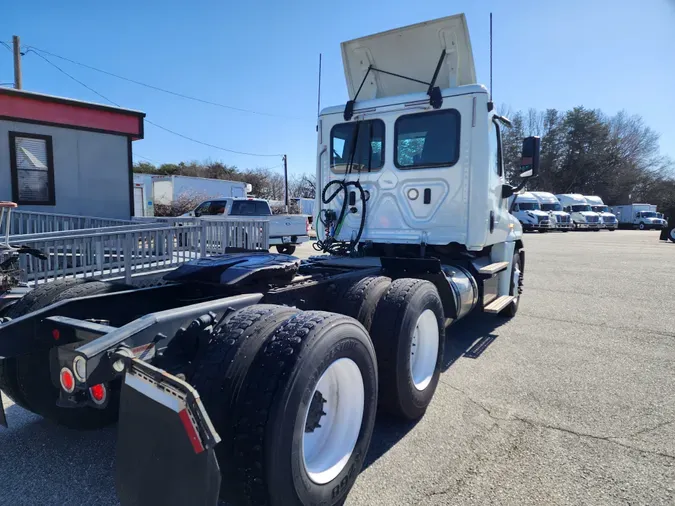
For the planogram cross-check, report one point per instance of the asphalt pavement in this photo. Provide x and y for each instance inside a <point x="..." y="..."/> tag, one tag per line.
<point x="570" y="402"/>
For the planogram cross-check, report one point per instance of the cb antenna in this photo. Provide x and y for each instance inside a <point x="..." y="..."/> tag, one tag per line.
<point x="318" y="98"/>
<point x="490" y="57"/>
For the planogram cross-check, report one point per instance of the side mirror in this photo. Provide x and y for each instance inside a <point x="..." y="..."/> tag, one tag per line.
<point x="529" y="163"/>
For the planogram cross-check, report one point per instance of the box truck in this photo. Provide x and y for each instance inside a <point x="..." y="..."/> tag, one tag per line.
<point x="642" y="216"/>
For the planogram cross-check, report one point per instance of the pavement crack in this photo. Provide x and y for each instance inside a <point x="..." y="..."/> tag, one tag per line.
<point x="599" y="325"/>
<point x="646" y="430"/>
<point x="579" y="434"/>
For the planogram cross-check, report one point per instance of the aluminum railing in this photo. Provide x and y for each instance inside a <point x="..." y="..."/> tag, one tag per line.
<point x="126" y="251"/>
<point x="30" y="222"/>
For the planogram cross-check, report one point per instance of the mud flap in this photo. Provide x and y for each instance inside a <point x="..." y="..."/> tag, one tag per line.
<point x="165" y="442"/>
<point x="3" y="417"/>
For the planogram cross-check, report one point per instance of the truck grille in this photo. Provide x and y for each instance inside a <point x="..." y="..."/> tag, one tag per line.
<point x="592" y="219"/>
<point x="563" y="219"/>
<point x="542" y="219"/>
<point x="609" y="219"/>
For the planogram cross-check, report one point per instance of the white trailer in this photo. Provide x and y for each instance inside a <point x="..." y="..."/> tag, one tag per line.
<point x="583" y="216"/>
<point x="165" y="189"/>
<point x="608" y="220"/>
<point x="642" y="216"/>
<point x="526" y="207"/>
<point x="550" y="204"/>
<point x="418" y="233"/>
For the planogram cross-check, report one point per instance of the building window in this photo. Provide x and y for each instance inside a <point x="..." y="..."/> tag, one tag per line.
<point x="32" y="165"/>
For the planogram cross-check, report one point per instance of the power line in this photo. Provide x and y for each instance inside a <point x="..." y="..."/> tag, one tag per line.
<point x="157" y="88"/>
<point x="145" y="158"/>
<point x="147" y="120"/>
<point x="7" y="46"/>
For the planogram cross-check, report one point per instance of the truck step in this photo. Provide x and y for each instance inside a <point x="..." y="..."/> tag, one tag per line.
<point x="492" y="269"/>
<point x="498" y="304"/>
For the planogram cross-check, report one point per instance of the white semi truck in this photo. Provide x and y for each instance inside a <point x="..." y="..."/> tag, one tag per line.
<point x="526" y="207"/>
<point x="257" y="376"/>
<point x="642" y="216"/>
<point x="608" y="220"/>
<point x="550" y="204"/>
<point x="583" y="216"/>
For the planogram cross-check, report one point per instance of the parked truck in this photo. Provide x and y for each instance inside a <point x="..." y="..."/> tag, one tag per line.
<point x="608" y="220"/>
<point x="526" y="207"/>
<point x="550" y="204"/>
<point x="151" y="190"/>
<point x="287" y="231"/>
<point x="641" y="216"/>
<point x="258" y="376"/>
<point x="583" y="216"/>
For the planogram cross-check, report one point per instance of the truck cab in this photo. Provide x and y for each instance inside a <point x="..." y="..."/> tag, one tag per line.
<point x="583" y="216"/>
<point x="423" y="161"/>
<point x="527" y="209"/>
<point x="561" y="220"/>
<point x="607" y="219"/>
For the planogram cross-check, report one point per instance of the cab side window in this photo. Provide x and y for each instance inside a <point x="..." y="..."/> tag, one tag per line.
<point x="495" y="148"/>
<point x="203" y="208"/>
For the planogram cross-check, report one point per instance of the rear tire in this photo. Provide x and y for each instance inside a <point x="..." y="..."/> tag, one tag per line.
<point x="360" y="300"/>
<point x="40" y="297"/>
<point x="285" y="249"/>
<point x="408" y="332"/>
<point x="33" y="376"/>
<point x="277" y="406"/>
<point x="221" y="371"/>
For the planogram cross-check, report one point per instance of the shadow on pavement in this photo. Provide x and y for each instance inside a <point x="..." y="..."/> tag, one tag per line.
<point x="468" y="338"/>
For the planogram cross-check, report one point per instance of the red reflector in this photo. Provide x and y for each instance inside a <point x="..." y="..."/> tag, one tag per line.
<point x="67" y="380"/>
<point x="97" y="393"/>
<point x="56" y="334"/>
<point x="191" y="431"/>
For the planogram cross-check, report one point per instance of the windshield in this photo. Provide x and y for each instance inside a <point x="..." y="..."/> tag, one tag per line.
<point x="580" y="208"/>
<point x="600" y="209"/>
<point x="528" y="206"/>
<point x="551" y="207"/>
<point x="648" y="214"/>
<point x="369" y="152"/>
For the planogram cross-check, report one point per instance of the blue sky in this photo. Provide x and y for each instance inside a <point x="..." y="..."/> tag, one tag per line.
<point x="263" y="56"/>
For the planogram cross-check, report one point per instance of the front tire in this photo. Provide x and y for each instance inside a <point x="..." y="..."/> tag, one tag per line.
<point x="516" y="288"/>
<point x="285" y="249"/>
<point x="408" y="332"/>
<point x="671" y="234"/>
<point x="642" y="226"/>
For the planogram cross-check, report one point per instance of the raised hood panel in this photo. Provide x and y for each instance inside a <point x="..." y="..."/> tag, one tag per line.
<point x="412" y="51"/>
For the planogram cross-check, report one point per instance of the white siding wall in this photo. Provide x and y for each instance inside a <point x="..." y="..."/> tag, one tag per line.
<point x="91" y="171"/>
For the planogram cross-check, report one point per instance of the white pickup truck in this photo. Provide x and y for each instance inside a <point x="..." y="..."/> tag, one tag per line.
<point x="286" y="230"/>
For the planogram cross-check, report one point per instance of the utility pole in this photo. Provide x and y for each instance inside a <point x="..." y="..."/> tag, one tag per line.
<point x="286" y="181"/>
<point x="17" y="62"/>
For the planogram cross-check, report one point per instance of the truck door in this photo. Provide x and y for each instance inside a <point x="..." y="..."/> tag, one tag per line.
<point x="498" y="216"/>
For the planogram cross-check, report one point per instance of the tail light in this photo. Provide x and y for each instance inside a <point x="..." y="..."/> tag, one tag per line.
<point x="67" y="380"/>
<point x="98" y="393"/>
<point x="308" y="226"/>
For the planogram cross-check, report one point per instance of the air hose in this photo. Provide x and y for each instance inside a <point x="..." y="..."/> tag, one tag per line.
<point x="333" y="223"/>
